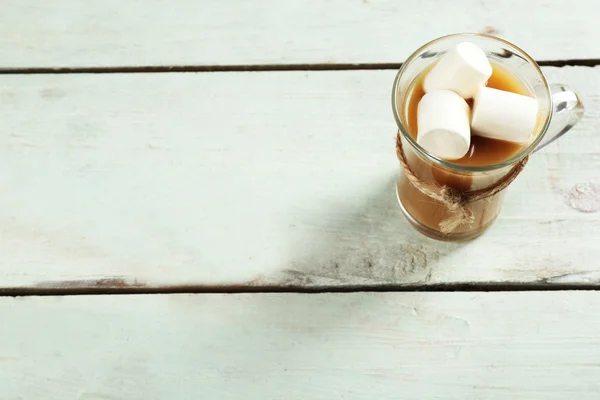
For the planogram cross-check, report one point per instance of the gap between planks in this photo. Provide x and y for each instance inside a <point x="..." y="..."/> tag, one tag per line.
<point x="123" y="288"/>
<point x="257" y="68"/>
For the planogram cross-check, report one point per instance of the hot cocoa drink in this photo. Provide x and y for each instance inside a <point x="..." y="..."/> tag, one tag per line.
<point x="470" y="110"/>
<point x="464" y="128"/>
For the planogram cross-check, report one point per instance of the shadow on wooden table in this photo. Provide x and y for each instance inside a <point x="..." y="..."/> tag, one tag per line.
<point x="364" y="241"/>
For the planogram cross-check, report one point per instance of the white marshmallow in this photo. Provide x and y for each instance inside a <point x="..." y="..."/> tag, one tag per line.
<point x="463" y="70"/>
<point x="443" y="124"/>
<point x="504" y="115"/>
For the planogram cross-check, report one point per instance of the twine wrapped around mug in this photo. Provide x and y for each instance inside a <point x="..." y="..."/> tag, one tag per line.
<point x="455" y="201"/>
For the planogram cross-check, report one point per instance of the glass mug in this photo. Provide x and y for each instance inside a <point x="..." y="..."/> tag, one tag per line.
<point x="559" y="110"/>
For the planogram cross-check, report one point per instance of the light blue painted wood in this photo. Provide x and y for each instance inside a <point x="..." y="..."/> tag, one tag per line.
<point x="259" y="179"/>
<point x="534" y="346"/>
<point x="111" y="33"/>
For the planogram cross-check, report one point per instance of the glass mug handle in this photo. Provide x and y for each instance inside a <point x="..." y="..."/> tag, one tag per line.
<point x="567" y="110"/>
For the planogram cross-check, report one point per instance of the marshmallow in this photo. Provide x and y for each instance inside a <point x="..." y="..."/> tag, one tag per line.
<point x="463" y="70"/>
<point x="504" y="115"/>
<point x="443" y="124"/>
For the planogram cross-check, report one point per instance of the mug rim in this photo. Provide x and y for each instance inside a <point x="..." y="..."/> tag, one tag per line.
<point x="449" y="164"/>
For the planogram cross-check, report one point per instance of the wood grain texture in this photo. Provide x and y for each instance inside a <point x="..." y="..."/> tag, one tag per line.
<point x="71" y="33"/>
<point x="458" y="346"/>
<point x="144" y="180"/>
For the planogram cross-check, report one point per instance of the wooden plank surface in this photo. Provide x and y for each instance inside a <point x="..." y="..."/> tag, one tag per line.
<point x="287" y="178"/>
<point x="110" y="33"/>
<point x="536" y="345"/>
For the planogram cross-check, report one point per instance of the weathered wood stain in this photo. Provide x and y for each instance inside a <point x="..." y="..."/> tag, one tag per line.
<point x="584" y="197"/>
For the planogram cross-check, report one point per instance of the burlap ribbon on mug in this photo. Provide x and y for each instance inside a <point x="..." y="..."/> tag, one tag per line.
<point x="457" y="202"/>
